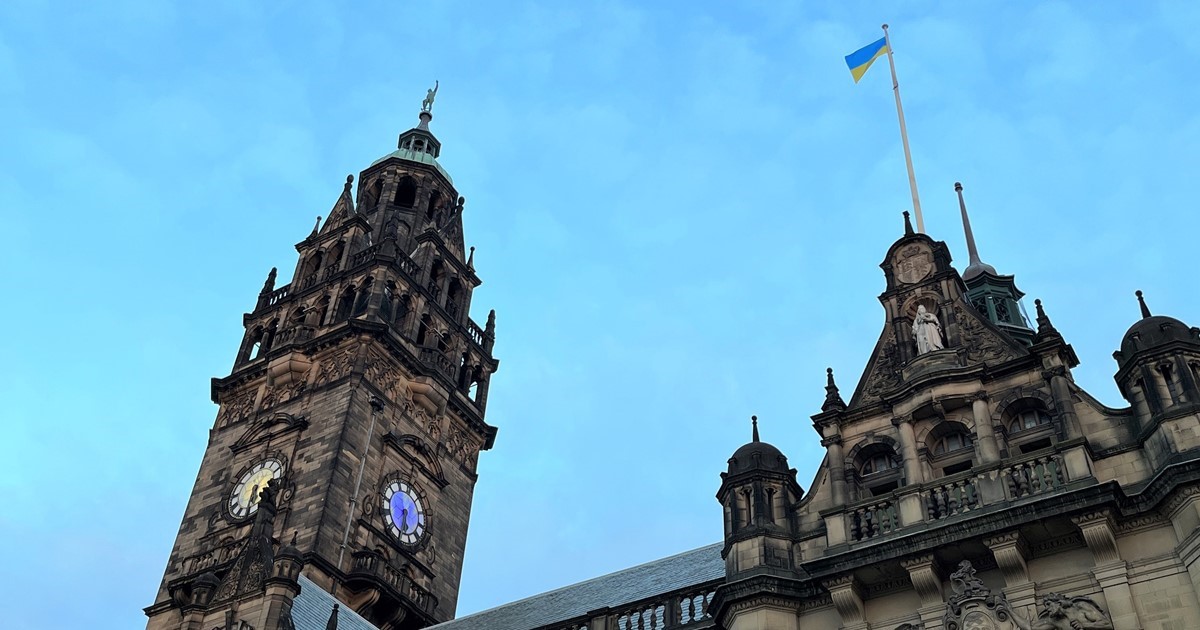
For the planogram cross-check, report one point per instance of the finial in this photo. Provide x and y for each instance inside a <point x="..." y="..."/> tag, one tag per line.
<point x="490" y="327"/>
<point x="1142" y="303"/>
<point x="754" y="427"/>
<point x="316" y="227"/>
<point x="1045" y="328"/>
<point x="349" y="180"/>
<point x="833" y="399"/>
<point x="907" y="224"/>
<point x="332" y="624"/>
<point x="471" y="259"/>
<point x="295" y="537"/>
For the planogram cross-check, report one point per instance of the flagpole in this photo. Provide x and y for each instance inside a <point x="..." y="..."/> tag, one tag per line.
<point x="912" y="178"/>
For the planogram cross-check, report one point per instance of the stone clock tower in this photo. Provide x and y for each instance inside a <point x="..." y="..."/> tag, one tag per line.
<point x="345" y="447"/>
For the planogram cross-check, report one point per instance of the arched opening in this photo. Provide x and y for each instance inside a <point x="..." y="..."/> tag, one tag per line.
<point x="453" y="298"/>
<point x="878" y="468"/>
<point x="443" y="342"/>
<point x="388" y="301"/>
<point x="435" y="278"/>
<point x="364" y="296"/>
<point x="951" y="446"/>
<point x="1029" y="425"/>
<point x="269" y="336"/>
<point x="345" y="304"/>
<point x="423" y="330"/>
<point x="309" y="273"/>
<point x="335" y="256"/>
<point x="296" y="318"/>
<point x="374" y="192"/>
<point x="434" y="198"/>
<point x="406" y="193"/>
<point x="322" y="310"/>
<point x="403" y="306"/>
<point x="253" y="345"/>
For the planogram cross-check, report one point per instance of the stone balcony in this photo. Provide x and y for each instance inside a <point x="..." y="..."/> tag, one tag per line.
<point x="1014" y="480"/>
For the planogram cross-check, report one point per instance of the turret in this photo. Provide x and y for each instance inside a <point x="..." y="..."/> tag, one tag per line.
<point x="1158" y="366"/>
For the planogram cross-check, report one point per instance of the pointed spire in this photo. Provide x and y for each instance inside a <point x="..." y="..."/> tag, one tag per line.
<point x="332" y="623"/>
<point x="295" y="537"/>
<point x="490" y="327"/>
<point x="908" y="231"/>
<point x="1142" y="303"/>
<point x="316" y="227"/>
<point x="1045" y="329"/>
<point x="754" y="428"/>
<point x="343" y="208"/>
<point x="471" y="260"/>
<point x="833" y="399"/>
<point x="269" y="285"/>
<point x="975" y="266"/>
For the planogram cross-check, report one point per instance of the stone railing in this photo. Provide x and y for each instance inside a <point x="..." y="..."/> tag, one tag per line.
<point x="273" y="298"/>
<point x="475" y="332"/>
<point x="951" y="497"/>
<point x="213" y="557"/>
<point x="373" y="565"/>
<point x="363" y="256"/>
<point x="439" y="361"/>
<point x="406" y="264"/>
<point x="874" y="518"/>
<point x="1036" y="475"/>
<point x="685" y="608"/>
<point x="1015" y="479"/>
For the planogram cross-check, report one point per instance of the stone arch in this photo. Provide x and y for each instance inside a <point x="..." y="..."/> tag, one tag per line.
<point x="1018" y="398"/>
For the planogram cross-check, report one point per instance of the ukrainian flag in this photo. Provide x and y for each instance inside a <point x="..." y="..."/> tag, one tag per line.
<point x="862" y="58"/>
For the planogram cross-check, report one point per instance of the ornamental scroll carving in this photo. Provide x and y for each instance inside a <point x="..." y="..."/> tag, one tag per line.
<point x="974" y="607"/>
<point x="980" y="343"/>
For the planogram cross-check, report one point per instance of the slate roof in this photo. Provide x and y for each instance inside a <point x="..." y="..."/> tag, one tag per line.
<point x="311" y="608"/>
<point x="623" y="587"/>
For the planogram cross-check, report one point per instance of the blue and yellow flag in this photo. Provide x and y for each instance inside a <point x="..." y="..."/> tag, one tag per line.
<point x="862" y="58"/>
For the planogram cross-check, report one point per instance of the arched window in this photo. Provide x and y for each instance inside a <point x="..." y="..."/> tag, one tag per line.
<point x="269" y="336"/>
<point x="406" y="193"/>
<point x="254" y="344"/>
<point x="443" y="342"/>
<point x="950" y="442"/>
<point x="880" y="462"/>
<point x="309" y="273"/>
<point x="297" y="317"/>
<point x="403" y="306"/>
<point x="1029" y="418"/>
<point x="373" y="194"/>
<point x="435" y="278"/>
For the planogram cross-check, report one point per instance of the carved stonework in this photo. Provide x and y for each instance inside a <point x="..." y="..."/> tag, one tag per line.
<point x="1061" y="612"/>
<point x="386" y="375"/>
<point x="335" y="367"/>
<point x="885" y="373"/>
<point x="973" y="607"/>
<point x="283" y="393"/>
<point x="237" y="409"/>
<point x="980" y="343"/>
<point x="913" y="263"/>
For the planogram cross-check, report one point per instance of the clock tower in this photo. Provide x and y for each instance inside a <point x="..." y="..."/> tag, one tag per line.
<point x="346" y="441"/>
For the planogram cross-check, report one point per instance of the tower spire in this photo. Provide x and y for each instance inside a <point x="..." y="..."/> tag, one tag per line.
<point x="754" y="428"/>
<point x="833" y="399"/>
<point x="975" y="265"/>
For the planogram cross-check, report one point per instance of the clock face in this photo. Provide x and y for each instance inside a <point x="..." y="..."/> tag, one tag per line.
<point x="243" y="501"/>
<point x="403" y="512"/>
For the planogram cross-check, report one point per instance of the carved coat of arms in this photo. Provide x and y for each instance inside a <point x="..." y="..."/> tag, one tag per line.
<point x="913" y="263"/>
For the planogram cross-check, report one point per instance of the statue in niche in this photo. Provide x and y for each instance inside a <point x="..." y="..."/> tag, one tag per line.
<point x="927" y="331"/>
<point x="1060" y="612"/>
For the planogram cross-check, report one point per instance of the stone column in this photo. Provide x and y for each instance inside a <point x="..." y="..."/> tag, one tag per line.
<point x="1110" y="571"/>
<point x="989" y="451"/>
<point x="1060" y="388"/>
<point x="837" y="468"/>
<point x="847" y="598"/>
<point x="1184" y="511"/>
<point x="911" y="511"/>
<point x="913" y="473"/>
<point x="1010" y="552"/>
<point x="928" y="585"/>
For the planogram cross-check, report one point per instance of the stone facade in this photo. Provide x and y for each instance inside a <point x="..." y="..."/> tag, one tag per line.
<point x="362" y="379"/>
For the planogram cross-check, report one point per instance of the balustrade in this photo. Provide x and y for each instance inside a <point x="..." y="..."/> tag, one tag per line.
<point x="364" y="256"/>
<point x="439" y="360"/>
<point x="278" y="294"/>
<point x="475" y="332"/>
<point x="951" y="498"/>
<point x="874" y="519"/>
<point x="651" y="617"/>
<point x="374" y="565"/>
<point x="1034" y="476"/>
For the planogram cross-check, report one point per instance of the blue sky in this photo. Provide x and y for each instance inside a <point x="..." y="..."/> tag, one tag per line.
<point x="679" y="210"/>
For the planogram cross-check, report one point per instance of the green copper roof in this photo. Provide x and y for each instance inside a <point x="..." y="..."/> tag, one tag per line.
<point x="416" y="156"/>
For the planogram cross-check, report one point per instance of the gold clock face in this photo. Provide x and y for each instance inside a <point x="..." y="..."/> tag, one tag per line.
<point x="243" y="501"/>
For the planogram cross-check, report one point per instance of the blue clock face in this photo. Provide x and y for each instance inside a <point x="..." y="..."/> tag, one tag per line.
<point x="403" y="512"/>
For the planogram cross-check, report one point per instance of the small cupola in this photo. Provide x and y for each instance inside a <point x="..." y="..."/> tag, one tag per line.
<point x="993" y="295"/>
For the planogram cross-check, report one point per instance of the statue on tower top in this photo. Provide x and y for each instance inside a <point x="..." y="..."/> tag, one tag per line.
<point x="427" y="104"/>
